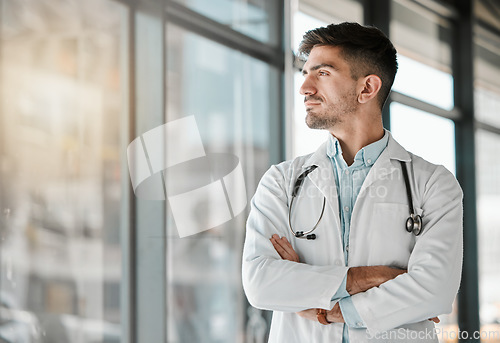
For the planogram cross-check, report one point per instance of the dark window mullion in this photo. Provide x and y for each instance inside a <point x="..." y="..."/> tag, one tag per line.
<point x="462" y="65"/>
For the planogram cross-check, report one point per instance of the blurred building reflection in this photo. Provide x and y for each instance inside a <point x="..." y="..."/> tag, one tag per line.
<point x="60" y="176"/>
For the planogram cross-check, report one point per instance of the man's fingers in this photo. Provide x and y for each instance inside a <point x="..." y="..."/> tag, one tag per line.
<point x="285" y="251"/>
<point x="279" y="249"/>
<point x="286" y="244"/>
<point x="284" y="248"/>
<point x="282" y="243"/>
<point x="309" y="314"/>
<point x="287" y="247"/>
<point x="302" y="314"/>
<point x="435" y="320"/>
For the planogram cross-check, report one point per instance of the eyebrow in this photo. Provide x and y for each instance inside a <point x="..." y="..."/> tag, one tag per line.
<point x="316" y="67"/>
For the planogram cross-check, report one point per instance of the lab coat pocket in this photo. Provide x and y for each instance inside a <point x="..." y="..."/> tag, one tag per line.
<point x="391" y="243"/>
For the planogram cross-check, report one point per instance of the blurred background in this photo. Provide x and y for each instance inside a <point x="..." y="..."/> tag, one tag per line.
<point x="83" y="260"/>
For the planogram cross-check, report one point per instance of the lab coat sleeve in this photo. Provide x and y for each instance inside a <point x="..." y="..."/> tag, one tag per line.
<point x="272" y="283"/>
<point x="434" y="267"/>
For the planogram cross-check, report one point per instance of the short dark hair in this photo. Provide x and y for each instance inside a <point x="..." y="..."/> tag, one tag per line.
<point x="366" y="49"/>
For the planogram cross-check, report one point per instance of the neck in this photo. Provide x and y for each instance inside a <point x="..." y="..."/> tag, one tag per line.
<point x="352" y="139"/>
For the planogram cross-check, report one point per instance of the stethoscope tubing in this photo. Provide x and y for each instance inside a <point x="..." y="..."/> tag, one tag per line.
<point x="413" y="224"/>
<point x="301" y="234"/>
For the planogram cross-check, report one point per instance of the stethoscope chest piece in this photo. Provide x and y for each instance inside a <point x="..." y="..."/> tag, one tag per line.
<point x="414" y="224"/>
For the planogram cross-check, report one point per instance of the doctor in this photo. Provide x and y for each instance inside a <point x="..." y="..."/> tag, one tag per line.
<point x="361" y="276"/>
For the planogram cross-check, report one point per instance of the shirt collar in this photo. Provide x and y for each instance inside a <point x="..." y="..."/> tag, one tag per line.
<point x="368" y="154"/>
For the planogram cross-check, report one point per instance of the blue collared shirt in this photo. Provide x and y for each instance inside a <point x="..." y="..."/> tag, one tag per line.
<point x="349" y="180"/>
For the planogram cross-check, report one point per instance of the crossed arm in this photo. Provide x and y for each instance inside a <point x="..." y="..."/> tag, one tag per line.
<point x="427" y="289"/>
<point x="359" y="279"/>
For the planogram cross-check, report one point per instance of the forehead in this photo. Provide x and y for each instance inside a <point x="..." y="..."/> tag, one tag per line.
<point x="331" y="55"/>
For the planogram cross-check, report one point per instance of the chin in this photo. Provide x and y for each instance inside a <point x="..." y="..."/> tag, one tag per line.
<point x="318" y="122"/>
<point x="315" y="123"/>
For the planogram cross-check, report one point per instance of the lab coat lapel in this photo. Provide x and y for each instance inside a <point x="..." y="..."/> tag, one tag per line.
<point x="323" y="178"/>
<point x="386" y="164"/>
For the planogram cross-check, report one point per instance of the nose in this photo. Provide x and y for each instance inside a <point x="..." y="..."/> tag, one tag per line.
<point x="307" y="87"/>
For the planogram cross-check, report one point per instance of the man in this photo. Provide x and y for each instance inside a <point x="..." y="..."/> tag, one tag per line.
<point x="363" y="277"/>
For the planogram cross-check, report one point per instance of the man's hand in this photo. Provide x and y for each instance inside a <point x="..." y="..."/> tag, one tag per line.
<point x="284" y="248"/>
<point x="332" y="316"/>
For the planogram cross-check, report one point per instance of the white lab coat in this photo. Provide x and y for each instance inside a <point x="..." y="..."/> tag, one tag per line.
<point x="377" y="237"/>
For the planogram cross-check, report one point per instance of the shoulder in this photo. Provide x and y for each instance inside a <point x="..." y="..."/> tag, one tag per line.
<point x="287" y="170"/>
<point x="278" y="179"/>
<point x="429" y="177"/>
<point x="435" y="177"/>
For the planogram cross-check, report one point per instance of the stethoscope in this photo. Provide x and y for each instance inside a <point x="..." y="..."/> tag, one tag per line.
<point x="413" y="223"/>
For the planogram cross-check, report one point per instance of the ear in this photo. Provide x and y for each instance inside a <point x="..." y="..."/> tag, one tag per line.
<point x="370" y="87"/>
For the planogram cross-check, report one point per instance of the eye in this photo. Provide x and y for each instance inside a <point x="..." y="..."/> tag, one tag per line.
<point x="323" y="73"/>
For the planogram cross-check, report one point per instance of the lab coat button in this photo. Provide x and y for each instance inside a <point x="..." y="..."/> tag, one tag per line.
<point x="338" y="263"/>
<point x="359" y="324"/>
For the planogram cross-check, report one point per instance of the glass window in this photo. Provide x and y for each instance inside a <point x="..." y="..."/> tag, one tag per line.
<point x="232" y="97"/>
<point x="60" y="175"/>
<point x="488" y="202"/>
<point x="421" y="34"/>
<point x="256" y="18"/>
<point x="425" y="83"/>
<point x="302" y="23"/>
<point x="331" y="11"/>
<point x="423" y="41"/>
<point x="487" y="109"/>
<point x="424" y="134"/>
<point x="487" y="105"/>
<point x="487" y="79"/>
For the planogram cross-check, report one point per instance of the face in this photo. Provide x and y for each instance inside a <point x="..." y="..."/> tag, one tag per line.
<point x="329" y="90"/>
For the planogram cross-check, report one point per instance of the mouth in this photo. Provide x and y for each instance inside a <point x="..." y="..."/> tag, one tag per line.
<point x="312" y="100"/>
<point x="310" y="103"/>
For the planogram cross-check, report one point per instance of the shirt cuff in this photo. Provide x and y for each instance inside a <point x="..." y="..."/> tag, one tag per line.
<point x="341" y="291"/>
<point x="350" y="314"/>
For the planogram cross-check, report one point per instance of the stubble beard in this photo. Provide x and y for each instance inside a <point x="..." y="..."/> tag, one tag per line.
<point x="333" y="114"/>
